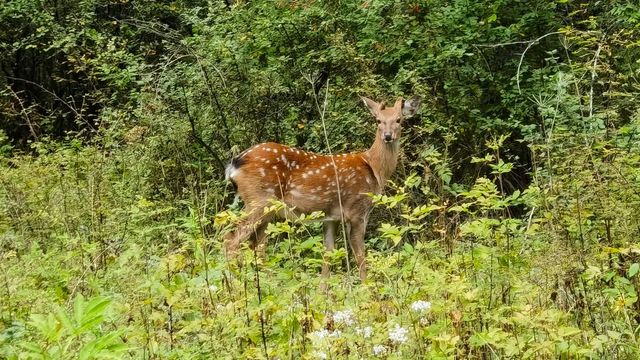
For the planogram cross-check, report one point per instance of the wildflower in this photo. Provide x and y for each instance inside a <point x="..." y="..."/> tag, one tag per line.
<point x="420" y="306"/>
<point x="379" y="350"/>
<point x="320" y="334"/>
<point x="325" y="334"/>
<point x="398" y="334"/>
<point x="366" y="332"/>
<point x="319" y="355"/>
<point x="424" y="321"/>
<point x="344" y="317"/>
<point x="213" y="288"/>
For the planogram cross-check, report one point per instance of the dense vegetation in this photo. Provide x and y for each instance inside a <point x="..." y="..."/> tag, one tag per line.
<point x="510" y="230"/>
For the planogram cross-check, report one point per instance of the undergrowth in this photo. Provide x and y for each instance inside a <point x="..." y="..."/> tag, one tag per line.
<point x="94" y="267"/>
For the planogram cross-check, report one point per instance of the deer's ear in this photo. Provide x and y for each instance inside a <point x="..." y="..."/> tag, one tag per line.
<point x="373" y="106"/>
<point x="410" y="107"/>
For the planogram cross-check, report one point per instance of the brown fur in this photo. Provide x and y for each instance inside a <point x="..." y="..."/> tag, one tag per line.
<point x="308" y="182"/>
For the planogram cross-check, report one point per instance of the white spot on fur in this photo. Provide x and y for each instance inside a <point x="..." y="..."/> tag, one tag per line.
<point x="262" y="172"/>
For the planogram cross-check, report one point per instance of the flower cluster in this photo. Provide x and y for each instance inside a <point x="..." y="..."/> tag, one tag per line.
<point x="420" y="306"/>
<point x="398" y="335"/>
<point x="325" y="334"/>
<point x="344" y="317"/>
<point x="319" y="355"/>
<point x="379" y="350"/>
<point x="366" y="332"/>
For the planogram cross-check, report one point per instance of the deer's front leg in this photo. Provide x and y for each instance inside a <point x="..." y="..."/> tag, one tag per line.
<point x="330" y="228"/>
<point x="356" y="240"/>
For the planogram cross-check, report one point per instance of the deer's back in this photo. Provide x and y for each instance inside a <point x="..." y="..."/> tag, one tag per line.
<point x="304" y="180"/>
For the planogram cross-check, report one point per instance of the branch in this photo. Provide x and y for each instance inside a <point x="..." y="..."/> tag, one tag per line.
<point x="24" y="113"/>
<point x="194" y="132"/>
<point x="530" y="44"/>
<point x="79" y="115"/>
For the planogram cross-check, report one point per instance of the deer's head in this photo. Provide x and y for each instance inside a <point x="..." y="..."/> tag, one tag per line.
<point x="390" y="119"/>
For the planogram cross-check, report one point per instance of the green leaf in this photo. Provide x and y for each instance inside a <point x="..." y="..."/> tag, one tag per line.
<point x="34" y="350"/>
<point x="565" y="331"/>
<point x="633" y="270"/>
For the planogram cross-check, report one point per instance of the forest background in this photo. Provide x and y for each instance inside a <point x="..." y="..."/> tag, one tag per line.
<point x="510" y="229"/>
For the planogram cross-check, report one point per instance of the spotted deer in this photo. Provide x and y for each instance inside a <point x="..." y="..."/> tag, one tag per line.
<point x="334" y="184"/>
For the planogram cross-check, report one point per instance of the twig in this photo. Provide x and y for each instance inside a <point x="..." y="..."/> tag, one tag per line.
<point x="503" y="44"/>
<point x="262" y="333"/>
<point x="194" y="133"/>
<point x="24" y="113"/>
<point x="333" y="163"/>
<point x="593" y="78"/>
<point x="78" y="114"/>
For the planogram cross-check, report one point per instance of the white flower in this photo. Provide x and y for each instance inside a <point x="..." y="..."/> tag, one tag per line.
<point x="379" y="350"/>
<point x="320" y="334"/>
<point x="424" y="321"/>
<point x="319" y="355"/>
<point x="365" y="332"/>
<point x="325" y="334"/>
<point x="344" y="317"/>
<point x="398" y="334"/>
<point x="420" y="306"/>
<point x="213" y="288"/>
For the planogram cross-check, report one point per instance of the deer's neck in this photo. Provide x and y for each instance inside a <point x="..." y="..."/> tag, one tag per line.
<point x="383" y="159"/>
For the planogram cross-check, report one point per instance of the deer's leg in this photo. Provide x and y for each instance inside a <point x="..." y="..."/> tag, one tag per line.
<point x="247" y="227"/>
<point x="260" y="243"/>
<point x="356" y="240"/>
<point x="329" y="227"/>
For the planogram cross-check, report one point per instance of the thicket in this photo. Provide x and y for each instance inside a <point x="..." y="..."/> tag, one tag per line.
<point x="510" y="229"/>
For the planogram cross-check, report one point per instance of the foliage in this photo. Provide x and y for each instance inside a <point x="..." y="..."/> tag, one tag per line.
<point x="509" y="231"/>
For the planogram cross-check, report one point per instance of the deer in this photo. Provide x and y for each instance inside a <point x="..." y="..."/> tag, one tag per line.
<point x="337" y="185"/>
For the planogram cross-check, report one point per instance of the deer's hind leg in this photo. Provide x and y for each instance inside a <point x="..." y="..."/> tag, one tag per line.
<point x="252" y="226"/>
<point x="259" y="236"/>
<point x="330" y="228"/>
